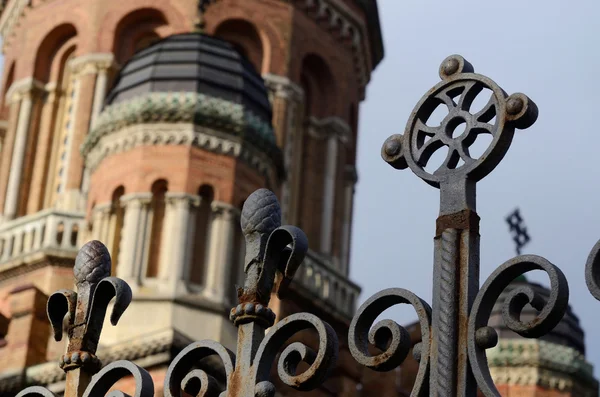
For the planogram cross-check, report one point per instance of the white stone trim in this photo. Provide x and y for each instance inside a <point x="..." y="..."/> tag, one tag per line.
<point x="328" y="126"/>
<point x="177" y="245"/>
<point x="330" y="178"/>
<point x="10" y="15"/>
<point x="18" y="158"/>
<point x="23" y="88"/>
<point x="220" y="258"/>
<point x="186" y="134"/>
<point x="283" y="87"/>
<point x="133" y="236"/>
<point x="93" y="63"/>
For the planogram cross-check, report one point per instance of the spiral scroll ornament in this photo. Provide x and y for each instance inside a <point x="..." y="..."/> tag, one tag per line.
<point x="389" y="337"/>
<point x="184" y="376"/>
<point x="482" y="337"/>
<point x="592" y="271"/>
<point x="102" y="384"/>
<point x="321" y="362"/>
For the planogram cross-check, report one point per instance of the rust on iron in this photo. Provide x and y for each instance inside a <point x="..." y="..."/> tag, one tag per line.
<point x="463" y="220"/>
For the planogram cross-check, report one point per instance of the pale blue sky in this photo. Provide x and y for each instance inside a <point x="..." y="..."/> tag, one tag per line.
<point x="546" y="49"/>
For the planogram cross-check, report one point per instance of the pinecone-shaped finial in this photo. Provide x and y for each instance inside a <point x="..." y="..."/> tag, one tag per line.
<point x="92" y="263"/>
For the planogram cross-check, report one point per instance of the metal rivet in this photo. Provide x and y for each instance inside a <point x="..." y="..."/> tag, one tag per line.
<point x="486" y="337"/>
<point x="514" y="105"/>
<point x="451" y="66"/>
<point x="392" y="147"/>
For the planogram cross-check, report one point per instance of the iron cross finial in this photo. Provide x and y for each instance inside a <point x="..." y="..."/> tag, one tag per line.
<point x="270" y="247"/>
<point x="85" y="309"/>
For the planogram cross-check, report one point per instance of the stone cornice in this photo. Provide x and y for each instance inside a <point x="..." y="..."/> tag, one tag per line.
<point x="350" y="27"/>
<point x="185" y="134"/>
<point x="140" y="198"/>
<point x="93" y="63"/>
<point x="180" y="198"/>
<point x="541" y="355"/>
<point x="188" y="107"/>
<point x="329" y="126"/>
<point x="24" y="87"/>
<point x="11" y="13"/>
<point x="545" y="379"/>
<point x="158" y="345"/>
<point x="283" y="87"/>
<point x="221" y="208"/>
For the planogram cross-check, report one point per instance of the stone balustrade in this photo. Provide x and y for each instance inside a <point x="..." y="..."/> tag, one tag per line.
<point x="318" y="276"/>
<point x="46" y="230"/>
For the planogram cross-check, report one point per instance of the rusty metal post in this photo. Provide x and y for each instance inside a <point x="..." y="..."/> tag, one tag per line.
<point x="85" y="311"/>
<point x="456" y="257"/>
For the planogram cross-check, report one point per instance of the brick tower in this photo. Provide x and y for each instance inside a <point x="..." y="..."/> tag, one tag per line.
<point x="122" y="123"/>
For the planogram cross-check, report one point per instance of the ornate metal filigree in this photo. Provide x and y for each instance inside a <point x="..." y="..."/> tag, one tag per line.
<point x="454" y="332"/>
<point x="273" y="254"/>
<point x="452" y="354"/>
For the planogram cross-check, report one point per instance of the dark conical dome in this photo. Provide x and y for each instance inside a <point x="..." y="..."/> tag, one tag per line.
<point x="193" y="62"/>
<point x="198" y="79"/>
<point x="567" y="333"/>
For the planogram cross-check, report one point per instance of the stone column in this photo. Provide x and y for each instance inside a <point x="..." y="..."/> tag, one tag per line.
<point x="177" y="246"/>
<point x="24" y="90"/>
<point x="105" y="65"/>
<point x="334" y="130"/>
<point x="350" y="179"/>
<point x="133" y="236"/>
<point x="90" y="73"/>
<point x="8" y="142"/>
<point x="221" y="251"/>
<point x="102" y="222"/>
<point x="286" y="98"/>
<point x="43" y="151"/>
<point x="329" y="194"/>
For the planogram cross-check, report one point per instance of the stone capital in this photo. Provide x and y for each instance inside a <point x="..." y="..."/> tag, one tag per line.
<point x="329" y="127"/>
<point x="27" y="87"/>
<point x="283" y="87"/>
<point x="93" y="63"/>
<point x="102" y="208"/>
<point x="222" y="209"/>
<point x="184" y="200"/>
<point x="136" y="199"/>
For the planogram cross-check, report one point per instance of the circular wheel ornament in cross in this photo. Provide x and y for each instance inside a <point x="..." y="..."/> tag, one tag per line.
<point x="457" y="91"/>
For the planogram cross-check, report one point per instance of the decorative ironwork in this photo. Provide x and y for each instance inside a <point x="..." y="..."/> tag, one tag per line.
<point x="454" y="360"/>
<point x="273" y="254"/>
<point x="454" y="332"/>
<point x="519" y="231"/>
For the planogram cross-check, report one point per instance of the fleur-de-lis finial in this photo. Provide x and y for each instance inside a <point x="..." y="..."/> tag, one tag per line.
<point x="85" y="309"/>
<point x="270" y="247"/>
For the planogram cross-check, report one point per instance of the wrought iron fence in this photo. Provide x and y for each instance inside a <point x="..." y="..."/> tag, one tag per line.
<point x="455" y="332"/>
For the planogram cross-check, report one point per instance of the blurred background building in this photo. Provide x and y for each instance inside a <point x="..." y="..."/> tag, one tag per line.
<point x="123" y="121"/>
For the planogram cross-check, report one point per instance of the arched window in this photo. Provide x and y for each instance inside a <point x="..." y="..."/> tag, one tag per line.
<point x="46" y="172"/>
<point x="246" y="40"/>
<point x="157" y="206"/>
<point x="145" y="41"/>
<point x="117" y="214"/>
<point x="203" y="221"/>
<point x="136" y="31"/>
<point x="319" y="83"/>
